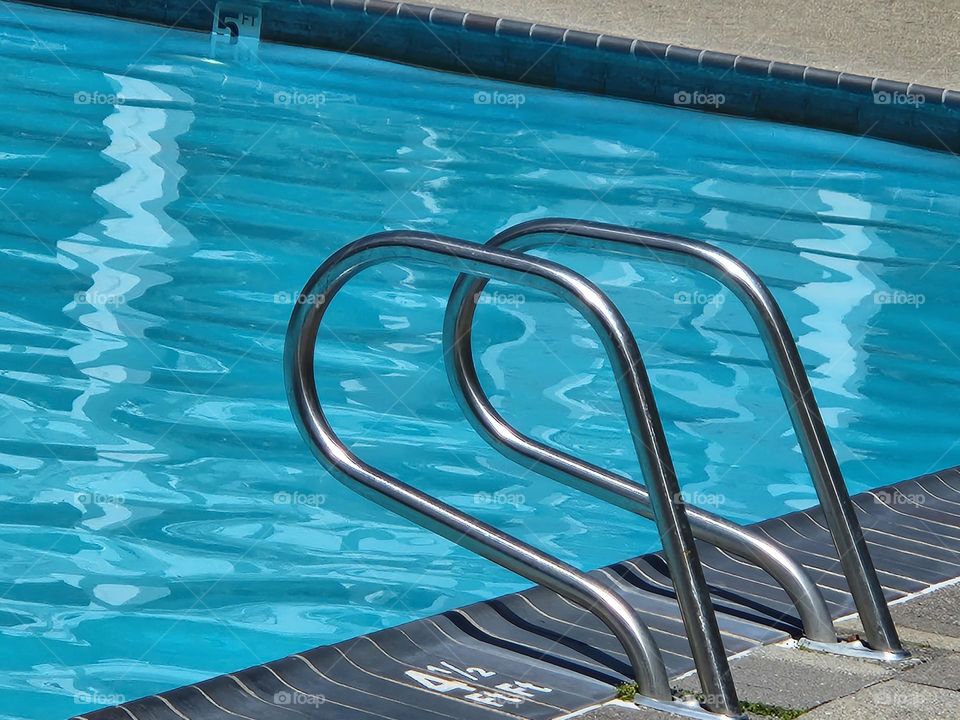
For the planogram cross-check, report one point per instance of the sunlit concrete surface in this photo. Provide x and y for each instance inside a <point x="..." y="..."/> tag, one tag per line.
<point x="908" y="40"/>
<point x="783" y="681"/>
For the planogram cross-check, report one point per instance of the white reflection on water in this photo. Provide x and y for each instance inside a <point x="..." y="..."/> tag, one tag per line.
<point x="844" y="298"/>
<point x="124" y="251"/>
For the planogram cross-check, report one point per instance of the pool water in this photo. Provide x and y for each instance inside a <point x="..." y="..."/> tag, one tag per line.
<point x="161" y="201"/>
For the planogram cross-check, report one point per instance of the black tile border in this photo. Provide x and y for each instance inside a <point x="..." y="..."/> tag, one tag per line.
<point x="537" y="637"/>
<point x="549" y="56"/>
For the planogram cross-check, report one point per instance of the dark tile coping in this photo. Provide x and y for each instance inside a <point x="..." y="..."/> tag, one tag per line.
<point x="556" y="658"/>
<point x="544" y="55"/>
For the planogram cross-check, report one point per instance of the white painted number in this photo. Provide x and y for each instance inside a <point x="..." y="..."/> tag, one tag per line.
<point x="445" y="678"/>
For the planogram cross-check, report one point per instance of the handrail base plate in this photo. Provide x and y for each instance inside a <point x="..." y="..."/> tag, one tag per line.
<point x="855" y="649"/>
<point x="683" y="708"/>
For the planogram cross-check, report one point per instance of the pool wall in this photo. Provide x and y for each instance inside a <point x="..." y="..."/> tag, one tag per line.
<point x="535" y="54"/>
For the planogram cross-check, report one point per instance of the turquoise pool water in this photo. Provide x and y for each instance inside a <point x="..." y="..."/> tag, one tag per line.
<point x="162" y="520"/>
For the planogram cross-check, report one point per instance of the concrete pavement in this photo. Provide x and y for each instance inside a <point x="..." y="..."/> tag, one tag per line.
<point x="782" y="683"/>
<point x="908" y="40"/>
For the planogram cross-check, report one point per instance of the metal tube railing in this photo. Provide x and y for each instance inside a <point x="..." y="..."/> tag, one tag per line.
<point x="855" y="560"/>
<point x="645" y="427"/>
<point x="623" y="492"/>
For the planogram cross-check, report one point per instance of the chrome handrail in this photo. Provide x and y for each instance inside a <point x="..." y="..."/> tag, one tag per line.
<point x="610" y="487"/>
<point x="645" y="428"/>
<point x="857" y="565"/>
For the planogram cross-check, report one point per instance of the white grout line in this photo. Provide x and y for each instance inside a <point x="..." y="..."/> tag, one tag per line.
<point x="614" y="703"/>
<point x="912" y="596"/>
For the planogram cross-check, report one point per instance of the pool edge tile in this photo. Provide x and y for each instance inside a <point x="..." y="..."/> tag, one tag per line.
<point x="519" y="630"/>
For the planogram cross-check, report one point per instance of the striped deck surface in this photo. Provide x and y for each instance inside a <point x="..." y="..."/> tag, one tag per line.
<point x="534" y="655"/>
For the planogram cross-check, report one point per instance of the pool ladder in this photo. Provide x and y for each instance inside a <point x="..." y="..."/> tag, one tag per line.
<point x="503" y="258"/>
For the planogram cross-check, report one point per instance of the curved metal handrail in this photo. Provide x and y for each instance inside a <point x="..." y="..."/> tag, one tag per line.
<point x="857" y="565"/>
<point x="608" y="486"/>
<point x="646" y="430"/>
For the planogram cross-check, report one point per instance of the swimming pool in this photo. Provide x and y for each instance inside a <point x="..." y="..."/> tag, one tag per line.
<point x="162" y="519"/>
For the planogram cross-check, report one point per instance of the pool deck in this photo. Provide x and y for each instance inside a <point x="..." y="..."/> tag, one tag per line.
<point x="824" y="687"/>
<point x="907" y="40"/>
<point x="535" y="656"/>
